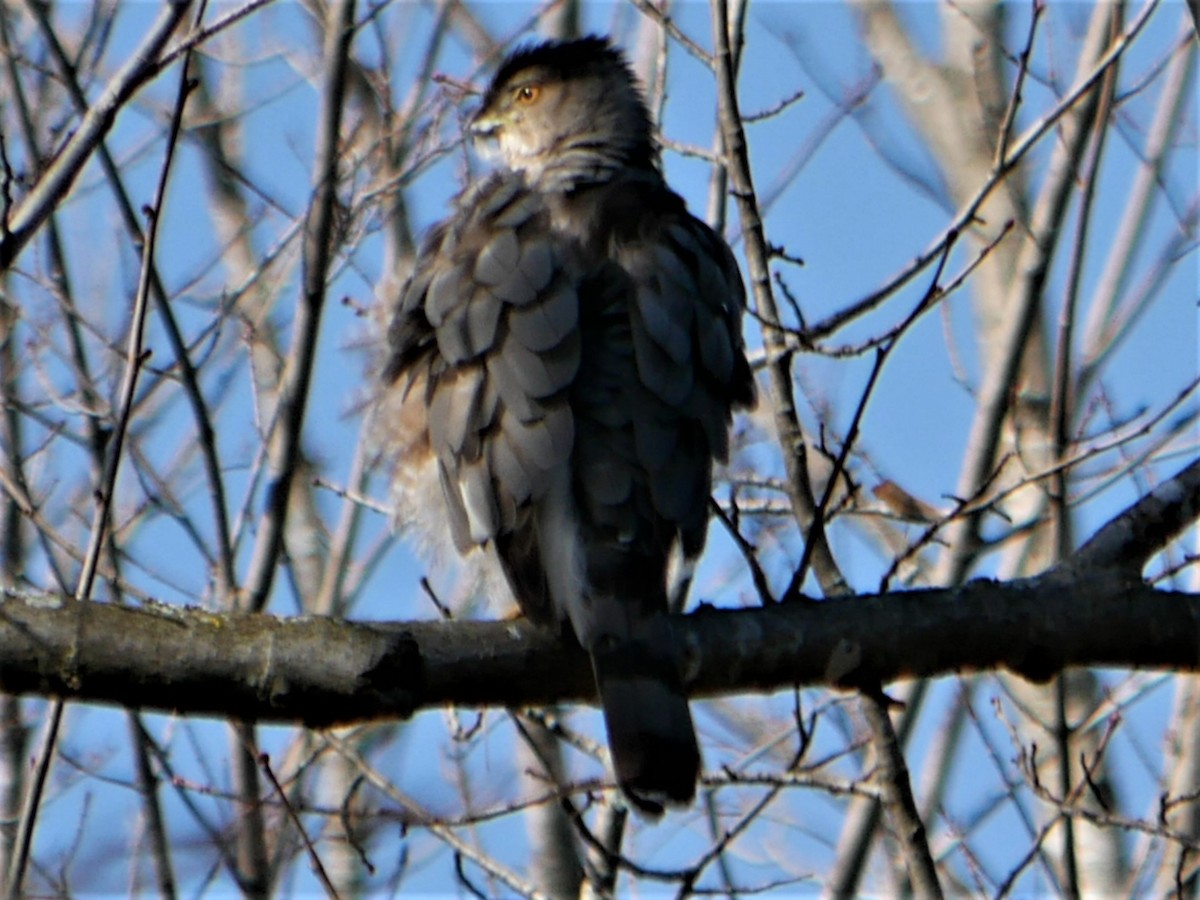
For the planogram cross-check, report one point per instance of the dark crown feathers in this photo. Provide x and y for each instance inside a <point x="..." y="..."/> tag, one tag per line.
<point x="565" y="59"/>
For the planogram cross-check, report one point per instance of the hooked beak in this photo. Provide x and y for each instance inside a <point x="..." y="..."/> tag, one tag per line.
<point x="484" y="125"/>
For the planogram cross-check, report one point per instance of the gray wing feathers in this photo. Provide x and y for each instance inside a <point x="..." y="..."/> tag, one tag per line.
<point x="666" y="300"/>
<point x="578" y="395"/>
<point x="504" y="314"/>
<point x="496" y="264"/>
<point x="544" y="374"/>
<point x="685" y="339"/>
<point x="456" y="513"/>
<point x="669" y="380"/>
<point x="441" y="293"/>
<point x="662" y="320"/>
<point x="641" y="410"/>
<point x="513" y="466"/>
<point x="720" y="300"/>
<point x="655" y="437"/>
<point x="543" y="442"/>
<point x="537" y="263"/>
<point x="477" y="488"/>
<point x="509" y="388"/>
<point x="543" y="326"/>
<point x="457" y="414"/>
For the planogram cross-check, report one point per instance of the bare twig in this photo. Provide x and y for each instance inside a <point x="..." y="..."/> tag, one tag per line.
<point x="787" y="423"/>
<point x="264" y="762"/>
<point x="449" y="836"/>
<point x="58" y="177"/>
<point x="134" y="359"/>
<point x="284" y="432"/>
<point x="188" y="375"/>
<point x="897" y="797"/>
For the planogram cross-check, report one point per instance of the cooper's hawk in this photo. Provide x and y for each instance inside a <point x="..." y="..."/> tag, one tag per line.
<point x="570" y="344"/>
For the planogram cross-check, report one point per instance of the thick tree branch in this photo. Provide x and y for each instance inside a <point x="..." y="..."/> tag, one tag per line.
<point x="1147" y="526"/>
<point x="320" y="671"/>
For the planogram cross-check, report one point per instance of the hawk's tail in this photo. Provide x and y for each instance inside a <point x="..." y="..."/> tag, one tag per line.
<point x="650" y="732"/>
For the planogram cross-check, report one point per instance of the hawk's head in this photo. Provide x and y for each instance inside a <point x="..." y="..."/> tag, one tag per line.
<point x="566" y="113"/>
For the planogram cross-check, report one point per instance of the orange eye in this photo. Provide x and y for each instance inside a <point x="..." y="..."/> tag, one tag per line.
<point x="528" y="94"/>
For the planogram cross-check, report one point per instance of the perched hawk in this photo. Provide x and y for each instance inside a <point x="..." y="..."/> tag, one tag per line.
<point x="570" y="347"/>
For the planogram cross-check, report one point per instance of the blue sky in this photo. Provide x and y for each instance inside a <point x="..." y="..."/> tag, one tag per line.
<point x="866" y="201"/>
